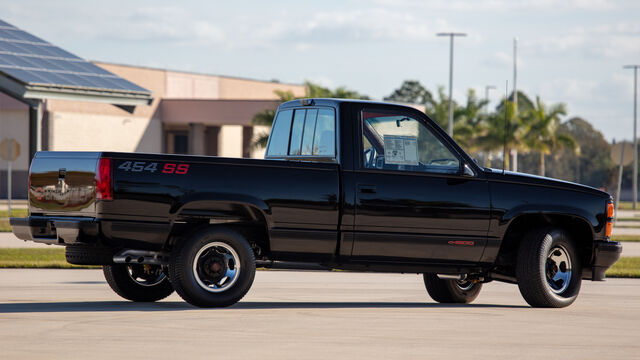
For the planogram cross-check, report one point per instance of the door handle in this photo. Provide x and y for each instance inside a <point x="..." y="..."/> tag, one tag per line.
<point x="366" y="189"/>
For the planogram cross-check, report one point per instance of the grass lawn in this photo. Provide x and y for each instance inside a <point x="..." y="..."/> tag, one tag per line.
<point x="37" y="258"/>
<point x="14" y="213"/>
<point x="623" y="219"/>
<point x="4" y="218"/>
<point x="626" y="267"/>
<point x="625" y="205"/>
<point x="4" y="225"/>
<point x="628" y="238"/>
<point x="54" y="259"/>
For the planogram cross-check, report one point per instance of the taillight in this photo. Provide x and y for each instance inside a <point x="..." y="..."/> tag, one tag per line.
<point x="104" y="179"/>
<point x="609" y="228"/>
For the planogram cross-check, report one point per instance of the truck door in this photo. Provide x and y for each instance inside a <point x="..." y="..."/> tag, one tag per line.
<point x="413" y="200"/>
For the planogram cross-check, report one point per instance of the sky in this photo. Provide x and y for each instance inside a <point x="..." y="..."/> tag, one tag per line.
<point x="569" y="51"/>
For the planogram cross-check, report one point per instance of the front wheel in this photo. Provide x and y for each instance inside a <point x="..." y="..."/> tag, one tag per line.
<point x="140" y="283"/>
<point x="451" y="291"/>
<point x="548" y="269"/>
<point x="214" y="267"/>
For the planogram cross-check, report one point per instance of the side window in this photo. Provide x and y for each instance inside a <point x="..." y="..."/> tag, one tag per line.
<point x="279" y="138"/>
<point x="395" y="141"/>
<point x="324" y="140"/>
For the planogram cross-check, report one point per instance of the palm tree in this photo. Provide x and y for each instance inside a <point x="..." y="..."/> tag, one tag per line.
<point x="542" y="135"/>
<point x="469" y="123"/>
<point x="265" y="118"/>
<point x="503" y="130"/>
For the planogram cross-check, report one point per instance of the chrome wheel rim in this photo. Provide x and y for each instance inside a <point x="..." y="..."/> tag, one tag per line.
<point x="558" y="269"/>
<point x="216" y="267"/>
<point x="146" y="275"/>
<point x="464" y="285"/>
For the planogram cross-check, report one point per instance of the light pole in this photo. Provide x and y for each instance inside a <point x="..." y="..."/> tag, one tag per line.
<point x="635" y="138"/>
<point x="451" y="35"/>
<point x="514" y="163"/>
<point x="486" y="97"/>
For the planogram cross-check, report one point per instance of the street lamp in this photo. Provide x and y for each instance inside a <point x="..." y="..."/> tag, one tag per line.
<point x="486" y="97"/>
<point x="451" y="35"/>
<point x="635" y="138"/>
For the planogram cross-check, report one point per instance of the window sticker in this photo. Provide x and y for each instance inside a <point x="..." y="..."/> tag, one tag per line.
<point x="400" y="150"/>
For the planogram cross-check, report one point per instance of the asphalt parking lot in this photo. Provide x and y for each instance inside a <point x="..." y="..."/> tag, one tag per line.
<point x="72" y="314"/>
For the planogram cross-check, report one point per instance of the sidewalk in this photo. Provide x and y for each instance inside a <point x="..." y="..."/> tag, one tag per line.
<point x="8" y="240"/>
<point x="15" y="204"/>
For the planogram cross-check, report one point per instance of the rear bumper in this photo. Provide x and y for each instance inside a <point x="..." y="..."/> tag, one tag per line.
<point x="53" y="230"/>
<point x="605" y="254"/>
<point x="81" y="230"/>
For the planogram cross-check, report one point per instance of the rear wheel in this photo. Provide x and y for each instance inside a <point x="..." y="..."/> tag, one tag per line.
<point x="548" y="268"/>
<point x="213" y="268"/>
<point x="451" y="291"/>
<point x="143" y="283"/>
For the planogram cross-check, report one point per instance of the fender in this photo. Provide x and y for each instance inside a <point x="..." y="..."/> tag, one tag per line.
<point x="538" y="209"/>
<point x="214" y="205"/>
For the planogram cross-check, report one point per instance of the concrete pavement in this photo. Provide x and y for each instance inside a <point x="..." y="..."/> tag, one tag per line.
<point x="630" y="248"/>
<point x="8" y="240"/>
<point x="72" y="314"/>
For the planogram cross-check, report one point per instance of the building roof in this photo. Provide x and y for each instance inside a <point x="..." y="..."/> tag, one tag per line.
<point x="31" y="68"/>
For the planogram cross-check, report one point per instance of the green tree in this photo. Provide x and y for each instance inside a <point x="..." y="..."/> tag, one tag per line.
<point x="317" y="91"/>
<point x="593" y="165"/>
<point x="503" y="130"/>
<point x="542" y="134"/>
<point x="265" y="117"/>
<point x="469" y="123"/>
<point x="411" y="92"/>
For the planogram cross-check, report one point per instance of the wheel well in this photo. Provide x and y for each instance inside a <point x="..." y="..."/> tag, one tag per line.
<point x="254" y="229"/>
<point x="578" y="229"/>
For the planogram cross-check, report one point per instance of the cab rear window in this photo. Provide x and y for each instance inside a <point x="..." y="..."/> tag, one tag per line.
<point x="279" y="138"/>
<point x="303" y="132"/>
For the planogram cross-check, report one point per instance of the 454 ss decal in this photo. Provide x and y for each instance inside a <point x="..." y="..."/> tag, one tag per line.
<point x="167" y="168"/>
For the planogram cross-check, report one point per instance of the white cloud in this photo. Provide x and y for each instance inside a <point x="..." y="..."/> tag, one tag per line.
<point x="499" y="59"/>
<point x="374" y="24"/>
<point x="507" y="5"/>
<point x="602" y="41"/>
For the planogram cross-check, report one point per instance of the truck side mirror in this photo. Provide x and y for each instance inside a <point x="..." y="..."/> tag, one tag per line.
<point x="467" y="171"/>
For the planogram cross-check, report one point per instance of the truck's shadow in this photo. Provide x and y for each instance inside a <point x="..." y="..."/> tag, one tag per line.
<point x="122" y="306"/>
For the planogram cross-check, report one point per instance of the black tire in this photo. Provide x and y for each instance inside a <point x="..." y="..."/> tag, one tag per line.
<point x="140" y="283"/>
<point x="89" y="255"/>
<point x="451" y="291"/>
<point x="541" y="272"/>
<point x="215" y="251"/>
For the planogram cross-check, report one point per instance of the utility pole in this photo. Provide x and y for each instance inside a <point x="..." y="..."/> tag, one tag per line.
<point x="514" y="163"/>
<point x="451" y="35"/>
<point x="486" y="97"/>
<point x="635" y="134"/>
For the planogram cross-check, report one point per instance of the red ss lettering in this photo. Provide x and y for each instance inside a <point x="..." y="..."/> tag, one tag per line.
<point x="171" y="168"/>
<point x="182" y="169"/>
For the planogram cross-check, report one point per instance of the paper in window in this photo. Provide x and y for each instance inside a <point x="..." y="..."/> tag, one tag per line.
<point x="400" y="150"/>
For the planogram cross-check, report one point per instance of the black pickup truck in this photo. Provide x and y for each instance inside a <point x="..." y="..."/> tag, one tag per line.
<point x="352" y="185"/>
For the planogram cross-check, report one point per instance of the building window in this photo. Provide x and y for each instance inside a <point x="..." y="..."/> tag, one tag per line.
<point x="212" y="133"/>
<point x="177" y="142"/>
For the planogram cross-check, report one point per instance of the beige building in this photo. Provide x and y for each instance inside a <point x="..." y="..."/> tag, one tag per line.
<point x="190" y="113"/>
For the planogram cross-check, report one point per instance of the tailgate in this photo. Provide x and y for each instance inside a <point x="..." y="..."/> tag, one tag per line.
<point x="63" y="183"/>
